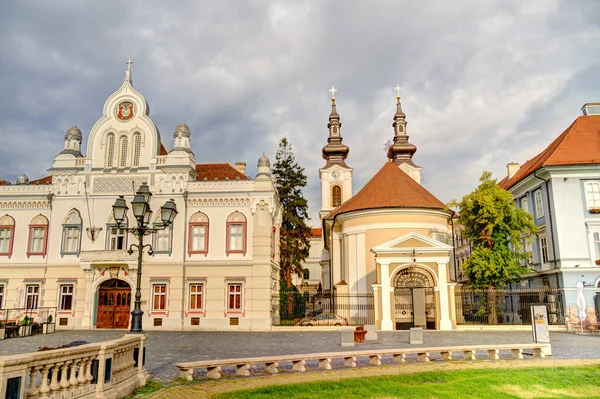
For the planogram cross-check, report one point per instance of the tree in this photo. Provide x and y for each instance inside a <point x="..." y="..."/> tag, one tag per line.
<point x="497" y="231"/>
<point x="295" y="234"/>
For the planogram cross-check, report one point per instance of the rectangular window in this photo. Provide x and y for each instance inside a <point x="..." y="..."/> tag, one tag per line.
<point x="5" y="236"/>
<point x="236" y="237"/>
<point x="592" y="194"/>
<point x="38" y="236"/>
<point x="1" y="296"/>
<point x="539" y="206"/>
<point x="198" y="236"/>
<point x="66" y="297"/>
<point x="159" y="300"/>
<point x="70" y="240"/>
<point x="597" y="244"/>
<point x="32" y="296"/>
<point x="544" y="249"/>
<point x="116" y="238"/>
<point x="235" y="296"/>
<point x="196" y="293"/>
<point x="163" y="240"/>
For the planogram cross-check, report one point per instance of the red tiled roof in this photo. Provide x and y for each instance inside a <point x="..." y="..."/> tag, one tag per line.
<point x="389" y="188"/>
<point x="578" y="145"/>
<point x="316" y="232"/>
<point x="220" y="171"/>
<point x="163" y="150"/>
<point x="4" y="183"/>
<point x="43" y="180"/>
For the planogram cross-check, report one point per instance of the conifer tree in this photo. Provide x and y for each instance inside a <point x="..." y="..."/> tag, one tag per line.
<point x="496" y="230"/>
<point x="294" y="234"/>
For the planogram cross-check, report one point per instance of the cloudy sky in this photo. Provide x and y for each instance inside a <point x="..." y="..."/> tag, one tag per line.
<point x="484" y="82"/>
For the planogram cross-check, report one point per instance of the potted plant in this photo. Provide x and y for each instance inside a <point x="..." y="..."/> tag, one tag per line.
<point x="594" y="210"/>
<point x="2" y="330"/>
<point x="598" y="261"/>
<point x="49" y="325"/>
<point x="26" y="326"/>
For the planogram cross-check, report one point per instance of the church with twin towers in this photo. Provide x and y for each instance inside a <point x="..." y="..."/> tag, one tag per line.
<point x="384" y="248"/>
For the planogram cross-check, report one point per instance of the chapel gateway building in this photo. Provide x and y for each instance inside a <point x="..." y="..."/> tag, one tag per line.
<point x="216" y="267"/>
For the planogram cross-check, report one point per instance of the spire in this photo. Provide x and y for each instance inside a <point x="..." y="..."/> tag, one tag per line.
<point x="401" y="151"/>
<point x="335" y="152"/>
<point x="128" y="71"/>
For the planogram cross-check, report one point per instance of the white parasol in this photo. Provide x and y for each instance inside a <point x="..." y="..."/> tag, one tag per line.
<point x="580" y="304"/>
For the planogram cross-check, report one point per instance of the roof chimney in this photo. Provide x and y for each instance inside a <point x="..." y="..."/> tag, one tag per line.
<point x="241" y="167"/>
<point x="512" y="168"/>
<point x="591" y="109"/>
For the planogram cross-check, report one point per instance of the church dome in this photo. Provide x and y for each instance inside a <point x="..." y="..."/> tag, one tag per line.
<point x="263" y="161"/>
<point x="73" y="133"/>
<point x="22" y="179"/>
<point x="182" y="130"/>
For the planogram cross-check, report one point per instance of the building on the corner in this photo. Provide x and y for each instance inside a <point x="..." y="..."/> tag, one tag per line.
<point x="391" y="241"/>
<point x="560" y="188"/>
<point x="215" y="268"/>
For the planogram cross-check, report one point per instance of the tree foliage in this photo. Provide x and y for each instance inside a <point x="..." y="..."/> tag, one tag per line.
<point x="496" y="230"/>
<point x="294" y="234"/>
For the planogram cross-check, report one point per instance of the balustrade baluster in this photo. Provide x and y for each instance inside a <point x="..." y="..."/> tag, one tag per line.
<point x="73" y="380"/>
<point x="81" y="378"/>
<point x="88" y="369"/>
<point x="32" y="391"/>
<point x="54" y="385"/>
<point x="64" y="375"/>
<point x="44" y="388"/>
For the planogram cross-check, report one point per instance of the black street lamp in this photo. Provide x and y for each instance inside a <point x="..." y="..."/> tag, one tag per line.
<point x="141" y="210"/>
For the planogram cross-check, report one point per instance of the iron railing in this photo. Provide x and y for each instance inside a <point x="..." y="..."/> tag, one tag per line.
<point x="507" y="306"/>
<point x="23" y="322"/>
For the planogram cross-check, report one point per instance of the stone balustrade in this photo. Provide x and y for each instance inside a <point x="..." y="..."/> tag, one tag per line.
<point x="298" y="362"/>
<point x="102" y="370"/>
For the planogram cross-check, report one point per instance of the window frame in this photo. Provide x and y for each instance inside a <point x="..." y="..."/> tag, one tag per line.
<point x="305" y="274"/>
<point x="335" y="194"/>
<point x="44" y="250"/>
<point x="11" y="239"/>
<point x="539" y="203"/>
<point x="191" y="226"/>
<point x="202" y="295"/>
<point x="2" y="294"/>
<point x="228" y="240"/>
<point x="592" y="202"/>
<point x="32" y="295"/>
<point x="109" y="236"/>
<point x="240" y="294"/>
<point x="64" y="240"/>
<point x="525" y="204"/>
<point x="136" y="149"/>
<point x="62" y="295"/>
<point x="544" y="250"/>
<point x="156" y="294"/>
<point x="169" y="234"/>
<point x="123" y="152"/>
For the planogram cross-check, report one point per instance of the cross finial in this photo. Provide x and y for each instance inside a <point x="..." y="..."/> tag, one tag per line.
<point x="129" y="62"/>
<point x="397" y="88"/>
<point x="333" y="90"/>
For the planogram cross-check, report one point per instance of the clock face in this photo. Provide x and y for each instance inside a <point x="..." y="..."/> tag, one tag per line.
<point x="335" y="174"/>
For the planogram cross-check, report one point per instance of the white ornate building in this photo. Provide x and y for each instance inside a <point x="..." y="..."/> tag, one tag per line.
<point x="215" y="268"/>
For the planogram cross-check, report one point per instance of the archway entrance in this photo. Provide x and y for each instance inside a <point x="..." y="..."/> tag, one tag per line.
<point x="414" y="296"/>
<point x="114" y="300"/>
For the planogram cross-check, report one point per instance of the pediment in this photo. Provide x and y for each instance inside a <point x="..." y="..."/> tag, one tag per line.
<point x="410" y="241"/>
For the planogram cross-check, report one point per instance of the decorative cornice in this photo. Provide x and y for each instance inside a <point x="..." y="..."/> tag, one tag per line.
<point x="24" y="205"/>
<point x="218" y="201"/>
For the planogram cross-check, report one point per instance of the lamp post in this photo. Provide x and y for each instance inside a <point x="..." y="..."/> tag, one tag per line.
<point x="143" y="214"/>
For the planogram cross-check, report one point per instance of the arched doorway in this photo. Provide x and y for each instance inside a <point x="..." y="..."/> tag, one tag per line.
<point x="414" y="296"/>
<point x="114" y="303"/>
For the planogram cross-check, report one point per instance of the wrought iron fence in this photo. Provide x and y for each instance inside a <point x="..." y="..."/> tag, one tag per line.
<point x="330" y="308"/>
<point x="23" y="322"/>
<point x="507" y="306"/>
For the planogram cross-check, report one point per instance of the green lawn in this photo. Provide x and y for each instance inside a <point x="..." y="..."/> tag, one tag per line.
<point x="530" y="383"/>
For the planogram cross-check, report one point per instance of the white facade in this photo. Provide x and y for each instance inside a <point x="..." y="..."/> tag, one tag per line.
<point x="215" y="268"/>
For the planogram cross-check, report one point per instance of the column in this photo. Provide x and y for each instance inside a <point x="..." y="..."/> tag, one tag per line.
<point x="86" y="320"/>
<point x="445" y="322"/>
<point x="386" y="319"/>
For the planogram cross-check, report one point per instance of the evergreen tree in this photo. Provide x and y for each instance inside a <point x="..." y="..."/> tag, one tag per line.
<point x="496" y="230"/>
<point x="295" y="234"/>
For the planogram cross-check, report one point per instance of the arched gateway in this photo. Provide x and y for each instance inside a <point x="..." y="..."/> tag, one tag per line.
<point x="114" y="304"/>
<point x="414" y="296"/>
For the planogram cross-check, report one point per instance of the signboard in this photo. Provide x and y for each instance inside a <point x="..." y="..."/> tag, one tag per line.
<point x="539" y="324"/>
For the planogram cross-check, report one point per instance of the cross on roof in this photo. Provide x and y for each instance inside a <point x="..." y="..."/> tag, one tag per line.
<point x="333" y="90"/>
<point x="129" y="62"/>
<point x="397" y="88"/>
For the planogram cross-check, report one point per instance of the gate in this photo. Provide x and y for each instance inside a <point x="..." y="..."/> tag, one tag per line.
<point x="414" y="307"/>
<point x="114" y="299"/>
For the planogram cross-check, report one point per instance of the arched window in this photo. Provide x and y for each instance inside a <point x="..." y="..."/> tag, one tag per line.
<point x="7" y="235"/>
<point x="71" y="237"/>
<point x="198" y="234"/>
<point x="110" y="150"/>
<point x="592" y="194"/>
<point x="525" y="204"/>
<point x="137" y="145"/>
<point x="123" y="154"/>
<point x="38" y="236"/>
<point x="236" y="233"/>
<point x="336" y="196"/>
<point x="305" y="274"/>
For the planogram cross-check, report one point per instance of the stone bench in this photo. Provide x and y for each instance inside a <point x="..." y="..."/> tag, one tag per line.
<point x="271" y="363"/>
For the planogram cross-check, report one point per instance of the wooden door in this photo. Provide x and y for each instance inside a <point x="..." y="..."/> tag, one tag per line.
<point x="113" y="308"/>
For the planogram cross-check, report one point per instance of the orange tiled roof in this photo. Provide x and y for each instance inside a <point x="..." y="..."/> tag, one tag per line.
<point x="43" y="180"/>
<point x="220" y="171"/>
<point x="163" y="150"/>
<point x="389" y="188"/>
<point x="578" y="145"/>
<point x="4" y="183"/>
<point x="316" y="232"/>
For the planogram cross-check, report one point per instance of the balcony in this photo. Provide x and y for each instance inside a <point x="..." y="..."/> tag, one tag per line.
<point x="107" y="256"/>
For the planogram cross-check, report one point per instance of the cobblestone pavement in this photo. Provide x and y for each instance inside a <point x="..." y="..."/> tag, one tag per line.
<point x="168" y="347"/>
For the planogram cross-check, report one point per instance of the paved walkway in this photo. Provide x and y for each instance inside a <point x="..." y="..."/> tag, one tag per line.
<point x="166" y="348"/>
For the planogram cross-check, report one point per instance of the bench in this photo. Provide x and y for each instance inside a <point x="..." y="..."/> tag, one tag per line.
<point x="271" y="363"/>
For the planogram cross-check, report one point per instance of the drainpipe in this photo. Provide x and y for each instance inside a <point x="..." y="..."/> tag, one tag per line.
<point x="454" y="245"/>
<point x="185" y="232"/>
<point x="550" y="221"/>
